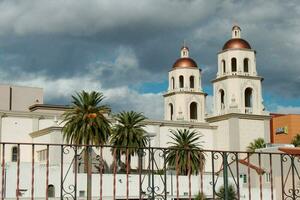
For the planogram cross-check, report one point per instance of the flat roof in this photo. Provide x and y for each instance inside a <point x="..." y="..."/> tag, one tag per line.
<point x="49" y="107"/>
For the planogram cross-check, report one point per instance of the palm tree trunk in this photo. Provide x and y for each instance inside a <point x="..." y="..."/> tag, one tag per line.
<point x="129" y="163"/>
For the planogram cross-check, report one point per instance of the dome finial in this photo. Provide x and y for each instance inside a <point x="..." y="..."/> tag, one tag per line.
<point x="184" y="50"/>
<point x="236" y="30"/>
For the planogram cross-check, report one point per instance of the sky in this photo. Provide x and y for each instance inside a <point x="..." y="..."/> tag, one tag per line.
<point x="125" y="49"/>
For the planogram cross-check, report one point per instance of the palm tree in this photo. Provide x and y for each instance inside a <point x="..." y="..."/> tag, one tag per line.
<point x="186" y="149"/>
<point x="231" y="193"/>
<point x="85" y="124"/>
<point x="128" y="134"/>
<point x="256" y="144"/>
<point x="296" y="140"/>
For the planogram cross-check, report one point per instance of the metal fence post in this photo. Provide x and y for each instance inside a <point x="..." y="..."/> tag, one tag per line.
<point x="225" y="175"/>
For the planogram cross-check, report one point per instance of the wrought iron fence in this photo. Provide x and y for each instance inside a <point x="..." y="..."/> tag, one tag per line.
<point x="59" y="171"/>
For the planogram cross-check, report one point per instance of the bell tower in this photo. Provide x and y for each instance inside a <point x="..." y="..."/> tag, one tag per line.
<point x="237" y="87"/>
<point x="185" y="99"/>
<point x="237" y="92"/>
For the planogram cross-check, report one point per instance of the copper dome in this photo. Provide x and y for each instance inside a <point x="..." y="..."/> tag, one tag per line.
<point x="185" y="62"/>
<point x="236" y="43"/>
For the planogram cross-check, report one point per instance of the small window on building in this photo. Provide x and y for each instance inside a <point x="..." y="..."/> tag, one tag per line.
<point x="181" y="82"/>
<point x="192" y="81"/>
<point x="51" y="191"/>
<point x="268" y="177"/>
<point x="233" y="64"/>
<point x="42" y="155"/>
<point x="81" y="193"/>
<point x="244" y="178"/>
<point x="14" y="154"/>
<point x="246" y="65"/>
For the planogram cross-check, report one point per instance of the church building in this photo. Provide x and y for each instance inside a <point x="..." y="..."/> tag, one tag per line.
<point x="238" y="114"/>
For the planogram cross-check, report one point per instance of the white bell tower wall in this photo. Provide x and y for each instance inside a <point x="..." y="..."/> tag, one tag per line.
<point x="185" y="99"/>
<point x="237" y="87"/>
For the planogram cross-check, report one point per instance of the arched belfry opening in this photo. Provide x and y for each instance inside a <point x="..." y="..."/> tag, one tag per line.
<point x="248" y="98"/>
<point x="171" y="110"/>
<point x="181" y="81"/>
<point x="233" y="65"/>
<point x="223" y="66"/>
<point x="193" y="111"/>
<point x="222" y="99"/>
<point x="246" y="65"/>
<point x="192" y="81"/>
<point x="172" y="83"/>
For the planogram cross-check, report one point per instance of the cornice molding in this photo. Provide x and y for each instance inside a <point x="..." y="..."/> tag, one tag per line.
<point x="184" y="92"/>
<point x="236" y="49"/>
<point x="203" y="125"/>
<point x="237" y="115"/>
<point x="238" y="76"/>
<point x="45" y="131"/>
<point x="27" y="114"/>
<point x="49" y="107"/>
<point x="185" y="124"/>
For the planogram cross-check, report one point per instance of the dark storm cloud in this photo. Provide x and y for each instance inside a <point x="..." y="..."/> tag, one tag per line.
<point x="112" y="44"/>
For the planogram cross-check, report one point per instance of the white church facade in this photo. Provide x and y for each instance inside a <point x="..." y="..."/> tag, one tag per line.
<point x="238" y="115"/>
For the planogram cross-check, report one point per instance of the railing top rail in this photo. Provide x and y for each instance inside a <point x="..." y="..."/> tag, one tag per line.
<point x="155" y="148"/>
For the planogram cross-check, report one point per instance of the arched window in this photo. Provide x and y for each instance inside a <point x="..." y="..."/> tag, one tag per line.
<point x="171" y="111"/>
<point x="192" y="81"/>
<point x="222" y="99"/>
<point x="223" y="66"/>
<point x="246" y="65"/>
<point x="193" y="110"/>
<point x="51" y="191"/>
<point x="14" y="154"/>
<point x="233" y="64"/>
<point x="173" y="83"/>
<point x="248" y="98"/>
<point x="181" y="82"/>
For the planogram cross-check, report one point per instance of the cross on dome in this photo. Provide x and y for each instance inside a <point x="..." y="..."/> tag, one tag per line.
<point x="236" y="31"/>
<point x="184" y="51"/>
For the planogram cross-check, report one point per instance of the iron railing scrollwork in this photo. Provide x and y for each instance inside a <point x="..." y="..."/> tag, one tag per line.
<point x="291" y="177"/>
<point x="146" y="173"/>
<point x="69" y="191"/>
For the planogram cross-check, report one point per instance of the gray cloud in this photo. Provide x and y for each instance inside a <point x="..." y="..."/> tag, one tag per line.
<point x="110" y="44"/>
